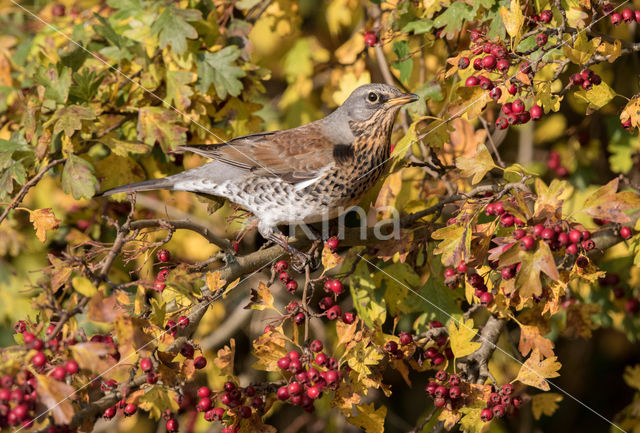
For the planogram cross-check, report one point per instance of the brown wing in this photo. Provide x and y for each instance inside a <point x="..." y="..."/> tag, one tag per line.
<point x="294" y="155"/>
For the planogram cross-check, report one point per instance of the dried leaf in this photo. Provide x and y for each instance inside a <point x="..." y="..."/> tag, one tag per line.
<point x="43" y="220"/>
<point x="260" y="298"/>
<point x="535" y="370"/>
<point x="55" y="395"/>
<point x="530" y="339"/>
<point x="330" y="259"/>
<point x="224" y="360"/>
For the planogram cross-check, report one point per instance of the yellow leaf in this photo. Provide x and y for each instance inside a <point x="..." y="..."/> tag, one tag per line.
<point x="461" y="337"/>
<point x="260" y="298"/>
<point x="551" y="198"/>
<point x="158" y="400"/>
<point x="471" y="102"/>
<point x="214" y="282"/>
<point x="632" y="111"/>
<point x="582" y="50"/>
<point x="93" y="356"/>
<point x="363" y="355"/>
<point x="471" y="422"/>
<point x="348" y="83"/>
<point x="545" y="404"/>
<point x="604" y="203"/>
<point x="477" y="166"/>
<point x="611" y="51"/>
<point x="369" y="419"/>
<point x="43" y="220"/>
<point x="268" y="348"/>
<point x="597" y="97"/>
<point x="632" y="376"/>
<point x="330" y="259"/>
<point x="224" y="360"/>
<point x="535" y="371"/>
<point x="54" y="394"/>
<point x="545" y="96"/>
<point x="530" y="338"/>
<point x="449" y="418"/>
<point x="513" y="20"/>
<point x="84" y="286"/>
<point x="345" y="332"/>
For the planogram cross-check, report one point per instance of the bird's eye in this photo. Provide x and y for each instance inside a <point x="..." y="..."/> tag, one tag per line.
<point x="372" y="97"/>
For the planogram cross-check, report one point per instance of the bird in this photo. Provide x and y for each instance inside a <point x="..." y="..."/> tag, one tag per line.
<point x="299" y="175"/>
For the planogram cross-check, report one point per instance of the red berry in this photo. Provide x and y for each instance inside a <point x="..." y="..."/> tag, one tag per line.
<point x="316" y="346"/>
<point x="519" y="234"/>
<point x="575" y="236"/>
<point x="405" y="338"/>
<point x="486" y="298"/>
<point x="162" y="275"/>
<point x="280" y="266"/>
<point x="563" y="239"/>
<point x="172" y="425"/>
<point x="495" y="93"/>
<point x="163" y="255"/>
<point x="502" y="65"/>
<point x="587" y="85"/>
<point x="109" y="413"/>
<point x="486" y="415"/>
<point x="463" y="63"/>
<point x="588" y="245"/>
<point x="485" y="83"/>
<point x="472" y="81"/>
<point x="348" y="317"/>
<point x="489" y="62"/>
<point x="507" y="389"/>
<point x="20" y="326"/>
<point x="548" y="234"/>
<point x="517" y="106"/>
<point x="616" y="18"/>
<point x="284" y="362"/>
<point x="244" y="412"/>
<point x="625" y="232"/>
<point x="284" y="277"/>
<point x="146" y="365"/>
<point x="536" y="112"/>
<point x="507" y="220"/>
<point x="59" y="373"/>
<point x="71" y="366"/>
<point x="58" y="10"/>
<point x="502" y="123"/>
<point x="628" y="15"/>
<point x="333" y="243"/>
<point x="527" y="243"/>
<point x="187" y="351"/>
<point x="130" y="409"/>
<point x="336" y="287"/>
<point x="545" y="16"/>
<point x="204" y="404"/>
<point x="39" y="359"/>
<point x="152" y="377"/>
<point x="439" y="402"/>
<point x="204" y="391"/>
<point x="370" y="38"/>
<point x="632" y="306"/>
<point x="334" y="312"/>
<point x="572" y="249"/>
<point x="541" y="39"/>
<point x="391" y="346"/>
<point x="449" y="272"/>
<point x="586" y="234"/>
<point x="477" y="64"/>
<point x="437" y="360"/>
<point x="512" y="89"/>
<point x="292" y="286"/>
<point x="626" y="124"/>
<point x="183" y="322"/>
<point x="200" y="362"/>
<point x="159" y="286"/>
<point x="506" y="273"/>
<point x="455" y="392"/>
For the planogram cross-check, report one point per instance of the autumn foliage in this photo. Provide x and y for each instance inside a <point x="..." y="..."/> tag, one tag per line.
<point x="509" y="299"/>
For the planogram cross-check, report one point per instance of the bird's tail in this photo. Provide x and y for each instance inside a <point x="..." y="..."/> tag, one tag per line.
<point x="145" y="185"/>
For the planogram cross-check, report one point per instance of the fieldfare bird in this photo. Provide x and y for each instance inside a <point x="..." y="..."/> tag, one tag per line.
<point x="298" y="175"/>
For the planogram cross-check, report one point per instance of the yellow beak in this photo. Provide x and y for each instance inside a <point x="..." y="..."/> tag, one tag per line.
<point x="403" y="99"/>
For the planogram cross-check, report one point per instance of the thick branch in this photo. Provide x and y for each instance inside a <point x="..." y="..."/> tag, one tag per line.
<point x="475" y="366"/>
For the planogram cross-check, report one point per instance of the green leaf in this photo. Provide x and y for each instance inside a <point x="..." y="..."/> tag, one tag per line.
<point x="368" y="299"/>
<point x="84" y="286"/>
<point x="453" y="18"/>
<point x="78" y="179"/>
<point x="418" y="27"/>
<point x="178" y="89"/>
<point x="404" y="64"/>
<point x="106" y="31"/>
<point x="85" y="84"/>
<point x="69" y="119"/>
<point x="157" y="124"/>
<point x="172" y="27"/>
<point x="443" y="303"/>
<point x="56" y="86"/>
<point x="15" y="172"/>
<point x="218" y="69"/>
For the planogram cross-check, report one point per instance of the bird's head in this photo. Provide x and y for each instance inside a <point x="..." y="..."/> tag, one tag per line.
<point x="375" y="101"/>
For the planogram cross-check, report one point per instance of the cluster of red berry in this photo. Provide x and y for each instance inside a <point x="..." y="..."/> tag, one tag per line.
<point x="281" y="268"/>
<point x="585" y="79"/>
<point x="239" y="401"/>
<point x="557" y="236"/>
<point x="628" y="15"/>
<point x="501" y="403"/>
<point x="554" y="163"/>
<point x="453" y="278"/>
<point x="446" y="390"/>
<point x="309" y="376"/>
<point x="440" y="351"/>
<point x="163" y="256"/>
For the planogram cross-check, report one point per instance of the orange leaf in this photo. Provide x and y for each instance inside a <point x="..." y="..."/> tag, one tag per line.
<point x="56" y="396"/>
<point x="535" y="371"/>
<point x="43" y="220"/>
<point x="530" y="339"/>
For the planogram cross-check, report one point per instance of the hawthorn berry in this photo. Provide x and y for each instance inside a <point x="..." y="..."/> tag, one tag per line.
<point x="20" y="326"/>
<point x="486" y="298"/>
<point x="284" y="277"/>
<point x="348" y="317"/>
<point x="280" y="266"/>
<point x="370" y="38"/>
<point x="572" y="249"/>
<point x="163" y="255"/>
<point x="588" y="245"/>
<point x="334" y="312"/>
<point x="541" y="39"/>
<point x="405" y="338"/>
<point x="545" y="16"/>
<point x="472" y="81"/>
<point x="485" y="83"/>
<point x="59" y="373"/>
<point x="498" y="411"/>
<point x="517" y="106"/>
<point x="58" y="10"/>
<point x="489" y="62"/>
<point x="244" y="412"/>
<point x="455" y="392"/>
<point x="130" y="409"/>
<point x="162" y="275"/>
<point x="502" y="65"/>
<point x="463" y="62"/>
<point x="152" y="377"/>
<point x="536" y="112"/>
<point x="439" y="402"/>
<point x="313" y="392"/>
<point x="506" y="273"/>
<point x="391" y="346"/>
<point x="316" y="346"/>
<point x="294" y="388"/>
<point x="527" y="243"/>
<point x="172" y="425"/>
<point x="495" y="93"/>
<point x="320" y="359"/>
<point x="39" y="359"/>
<point x="625" y="232"/>
<point x="187" y="351"/>
<point x="632" y="306"/>
<point x="109" y="413"/>
<point x="437" y="360"/>
<point x="183" y="322"/>
<point x="204" y="404"/>
<point x="512" y="89"/>
<point x="200" y="362"/>
<point x="477" y="64"/>
<point x="628" y="15"/>
<point x="449" y="272"/>
<point x="336" y="287"/>
<point x="502" y="123"/>
<point x="292" y="286"/>
<point x="616" y="18"/>
<point x="486" y="415"/>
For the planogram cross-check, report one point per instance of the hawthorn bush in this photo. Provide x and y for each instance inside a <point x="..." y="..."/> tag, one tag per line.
<point x="515" y="177"/>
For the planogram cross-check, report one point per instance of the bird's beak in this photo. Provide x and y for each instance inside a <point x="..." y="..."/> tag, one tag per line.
<point x="403" y="99"/>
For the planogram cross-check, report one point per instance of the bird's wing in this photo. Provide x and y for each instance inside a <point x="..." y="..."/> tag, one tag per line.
<point x="295" y="155"/>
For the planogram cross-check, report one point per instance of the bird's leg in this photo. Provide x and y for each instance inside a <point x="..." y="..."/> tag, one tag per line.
<point x="300" y="259"/>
